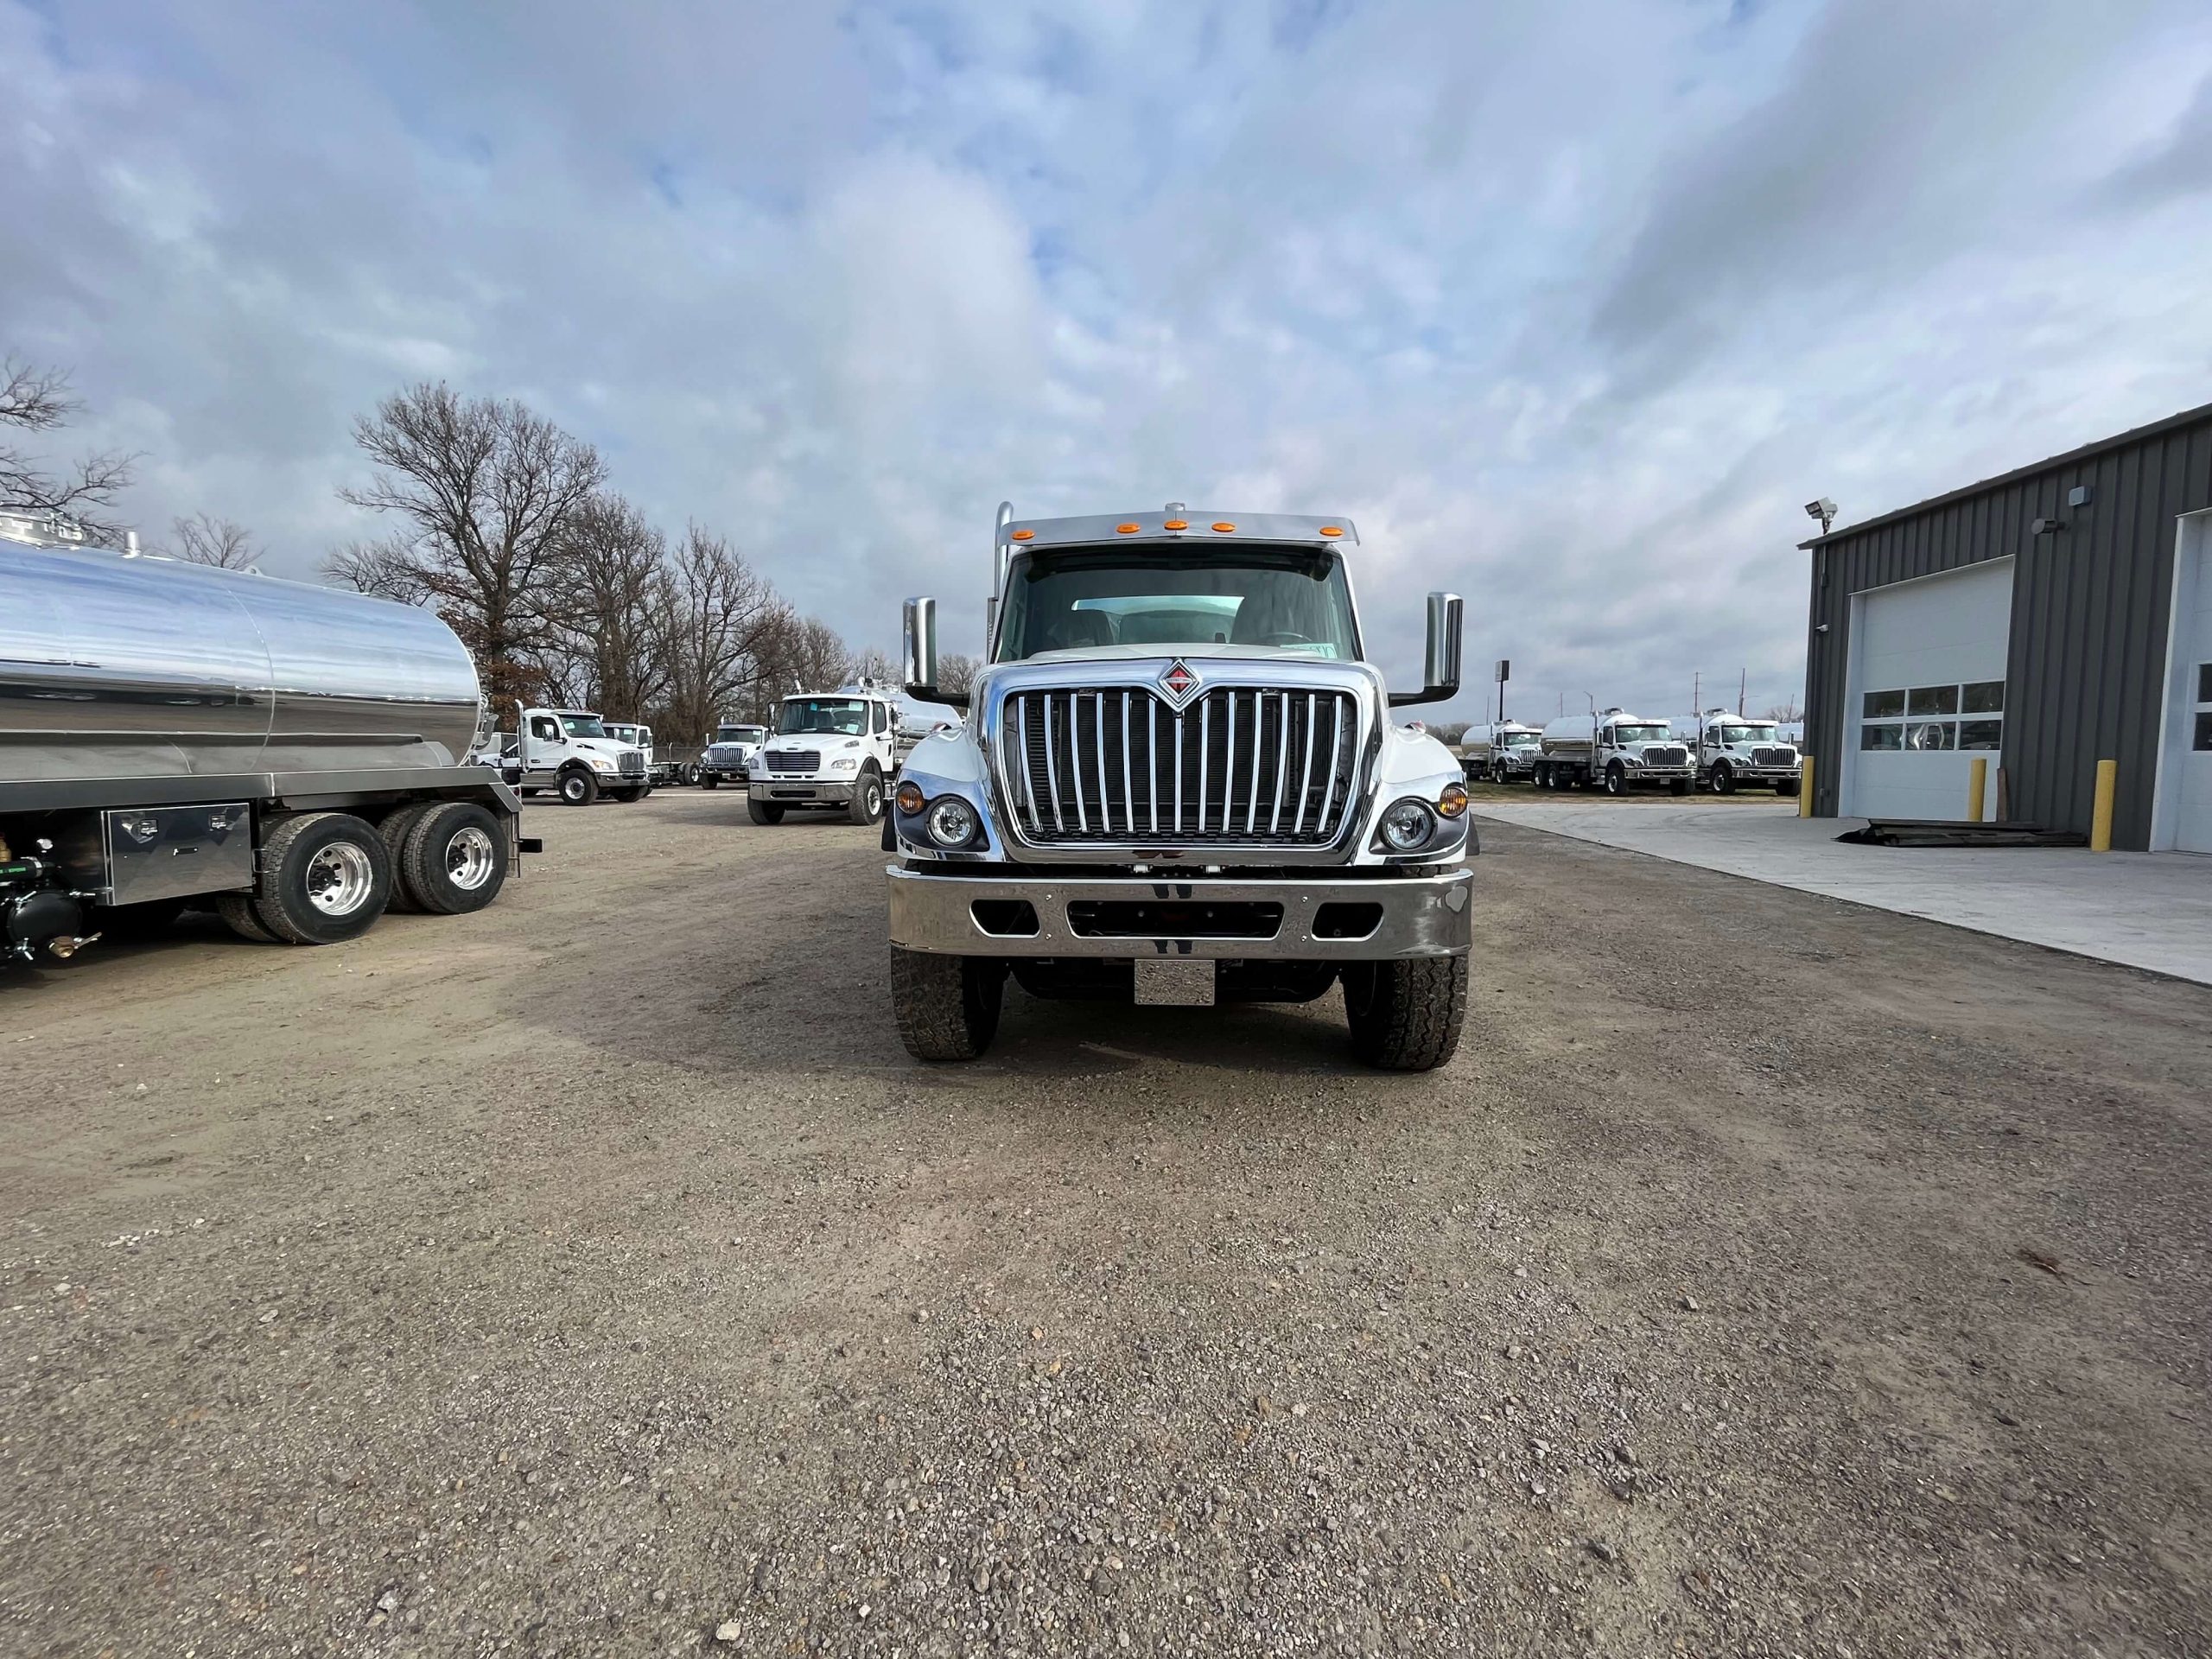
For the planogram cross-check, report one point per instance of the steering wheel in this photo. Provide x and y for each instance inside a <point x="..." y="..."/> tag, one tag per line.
<point x="1285" y="637"/>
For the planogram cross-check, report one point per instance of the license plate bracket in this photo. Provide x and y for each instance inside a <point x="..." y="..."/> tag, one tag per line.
<point x="1175" y="982"/>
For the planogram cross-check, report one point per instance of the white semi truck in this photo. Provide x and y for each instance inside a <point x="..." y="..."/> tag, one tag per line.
<point x="569" y="751"/>
<point x="1500" y="752"/>
<point x="1733" y="753"/>
<point x="1614" y="750"/>
<point x="289" y="756"/>
<point x="833" y="749"/>
<point x="729" y="757"/>
<point x="1179" y="782"/>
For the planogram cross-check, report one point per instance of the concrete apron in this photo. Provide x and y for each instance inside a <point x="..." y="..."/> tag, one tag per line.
<point x="2144" y="910"/>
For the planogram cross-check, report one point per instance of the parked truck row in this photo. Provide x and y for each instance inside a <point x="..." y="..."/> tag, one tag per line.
<point x="1618" y="751"/>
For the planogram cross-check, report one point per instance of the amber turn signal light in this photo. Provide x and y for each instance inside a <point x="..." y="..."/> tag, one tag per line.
<point x="1453" y="801"/>
<point x="909" y="798"/>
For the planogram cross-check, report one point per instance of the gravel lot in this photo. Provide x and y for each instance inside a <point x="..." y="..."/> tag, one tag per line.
<point x="596" y="1275"/>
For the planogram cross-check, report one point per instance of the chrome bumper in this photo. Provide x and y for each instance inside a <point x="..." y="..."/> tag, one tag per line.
<point x="800" y="793"/>
<point x="1421" y="916"/>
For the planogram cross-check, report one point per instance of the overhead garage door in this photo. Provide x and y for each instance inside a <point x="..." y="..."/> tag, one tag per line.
<point x="1926" y="693"/>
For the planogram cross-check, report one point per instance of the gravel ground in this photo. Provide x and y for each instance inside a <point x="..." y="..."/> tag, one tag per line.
<point x="596" y="1275"/>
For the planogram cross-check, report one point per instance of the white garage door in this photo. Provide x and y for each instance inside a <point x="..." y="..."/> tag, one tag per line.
<point x="2187" y="775"/>
<point x="1926" y="693"/>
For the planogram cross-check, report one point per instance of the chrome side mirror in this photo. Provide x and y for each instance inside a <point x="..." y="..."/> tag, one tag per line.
<point x="1440" y="658"/>
<point x="921" y="654"/>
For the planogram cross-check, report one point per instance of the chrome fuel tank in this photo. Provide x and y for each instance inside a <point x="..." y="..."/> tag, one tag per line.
<point x="115" y="666"/>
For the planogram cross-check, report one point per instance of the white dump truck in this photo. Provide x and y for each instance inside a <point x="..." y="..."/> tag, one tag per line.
<point x="1733" y="753"/>
<point x="1500" y="752"/>
<point x="833" y="749"/>
<point x="1178" y="781"/>
<point x="1615" y="750"/>
<point x="569" y="751"/>
<point x="729" y="757"/>
<point x="287" y="755"/>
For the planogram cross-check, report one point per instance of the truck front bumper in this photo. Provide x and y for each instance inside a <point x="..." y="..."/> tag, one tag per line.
<point x="1293" y="918"/>
<point x="800" y="793"/>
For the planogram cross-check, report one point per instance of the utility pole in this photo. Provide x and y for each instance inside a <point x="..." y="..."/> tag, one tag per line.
<point x="1742" y="680"/>
<point x="1697" y="692"/>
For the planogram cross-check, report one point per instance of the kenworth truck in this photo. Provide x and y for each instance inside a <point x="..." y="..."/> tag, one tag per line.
<point x="1615" y="750"/>
<point x="1177" y="781"/>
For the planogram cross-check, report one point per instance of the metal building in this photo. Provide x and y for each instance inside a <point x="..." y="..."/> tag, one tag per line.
<point x="2044" y="620"/>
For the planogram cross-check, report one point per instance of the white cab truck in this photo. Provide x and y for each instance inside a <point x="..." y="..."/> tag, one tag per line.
<point x="658" y="772"/>
<point x="830" y="749"/>
<point x="1501" y="752"/>
<point x="570" y="752"/>
<point x="1734" y="753"/>
<point x="729" y="759"/>
<point x="1178" y="781"/>
<point x="1615" y="751"/>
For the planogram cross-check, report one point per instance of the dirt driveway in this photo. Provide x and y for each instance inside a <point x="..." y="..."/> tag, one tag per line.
<point x="596" y="1275"/>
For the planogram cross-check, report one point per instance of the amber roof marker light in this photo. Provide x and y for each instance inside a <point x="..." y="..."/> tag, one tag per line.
<point x="1225" y="527"/>
<point x="1332" y="530"/>
<point x="1125" y="529"/>
<point x="1176" y="524"/>
<point x="1022" y="535"/>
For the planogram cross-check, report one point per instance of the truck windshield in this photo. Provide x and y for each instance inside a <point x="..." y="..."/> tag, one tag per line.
<point x="583" y="726"/>
<point x="740" y="733"/>
<point x="822" y="717"/>
<point x="1285" y="599"/>
<point x="1519" y="740"/>
<point x="1746" y="734"/>
<point x="1654" y="733"/>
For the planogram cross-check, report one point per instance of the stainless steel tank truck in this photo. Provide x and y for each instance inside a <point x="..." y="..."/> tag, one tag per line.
<point x="287" y="754"/>
<point x="1177" y="781"/>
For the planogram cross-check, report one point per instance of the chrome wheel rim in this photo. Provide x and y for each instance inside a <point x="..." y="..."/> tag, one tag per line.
<point x="469" y="858"/>
<point x="340" y="879"/>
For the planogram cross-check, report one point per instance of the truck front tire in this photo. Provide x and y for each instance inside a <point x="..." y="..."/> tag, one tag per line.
<point x="866" y="804"/>
<point x="1785" y="786"/>
<point x="325" y="877"/>
<point x="947" y="1006"/>
<point x="708" y="780"/>
<point x="1406" y="1014"/>
<point x="1723" y="779"/>
<point x="764" y="811"/>
<point x="1616" y="780"/>
<point x="578" y="787"/>
<point x="455" y="861"/>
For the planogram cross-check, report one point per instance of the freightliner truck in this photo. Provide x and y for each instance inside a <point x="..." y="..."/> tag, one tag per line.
<point x="1178" y="781"/>
<point x="285" y="754"/>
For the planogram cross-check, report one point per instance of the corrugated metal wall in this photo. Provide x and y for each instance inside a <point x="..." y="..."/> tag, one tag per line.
<point x="2086" y="678"/>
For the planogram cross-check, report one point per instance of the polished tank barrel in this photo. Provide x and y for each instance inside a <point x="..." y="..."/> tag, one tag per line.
<point x="117" y="665"/>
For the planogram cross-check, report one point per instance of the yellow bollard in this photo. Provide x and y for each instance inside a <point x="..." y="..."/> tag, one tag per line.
<point x="1805" y="788"/>
<point x="2100" y="815"/>
<point x="1977" y="781"/>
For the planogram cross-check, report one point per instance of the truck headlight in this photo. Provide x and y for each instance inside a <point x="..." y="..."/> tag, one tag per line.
<point x="951" y="822"/>
<point x="1407" y="826"/>
<point x="601" y="762"/>
<point x="844" y="763"/>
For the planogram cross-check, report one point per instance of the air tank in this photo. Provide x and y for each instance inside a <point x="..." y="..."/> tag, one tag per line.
<point x="119" y="665"/>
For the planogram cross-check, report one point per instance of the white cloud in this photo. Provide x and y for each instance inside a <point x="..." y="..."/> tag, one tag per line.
<point x="1569" y="306"/>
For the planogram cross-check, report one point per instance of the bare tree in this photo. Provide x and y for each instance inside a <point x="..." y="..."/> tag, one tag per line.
<point x="1786" y="709"/>
<point x="202" y="539"/>
<point x="486" y="493"/>
<point x="717" y="618"/>
<point x="32" y="399"/>
<point x="875" y="663"/>
<point x="601" y="604"/>
<point x="956" y="672"/>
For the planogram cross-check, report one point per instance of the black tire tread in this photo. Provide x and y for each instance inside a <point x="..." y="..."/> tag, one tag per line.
<point x="396" y="827"/>
<point x="419" y="862"/>
<point x="1414" y="1020"/>
<point x="239" y="916"/>
<point x="945" y="1009"/>
<point x="267" y="898"/>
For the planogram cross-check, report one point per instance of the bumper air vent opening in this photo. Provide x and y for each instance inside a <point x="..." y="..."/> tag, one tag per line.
<point x="1006" y="918"/>
<point x="1347" y="919"/>
<point x="1160" y="919"/>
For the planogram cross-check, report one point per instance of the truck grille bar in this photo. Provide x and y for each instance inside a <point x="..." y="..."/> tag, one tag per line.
<point x="1120" y="764"/>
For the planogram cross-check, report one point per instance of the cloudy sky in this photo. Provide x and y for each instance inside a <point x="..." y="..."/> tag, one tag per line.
<point x="1570" y="304"/>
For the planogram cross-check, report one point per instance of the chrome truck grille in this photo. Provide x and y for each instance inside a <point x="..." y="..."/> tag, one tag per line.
<point x="794" y="759"/>
<point x="1774" y="757"/>
<point x="630" y="764"/>
<point x="1665" y="754"/>
<point x="1239" y="766"/>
